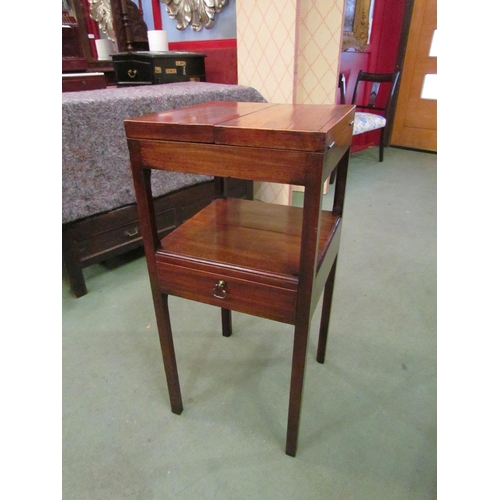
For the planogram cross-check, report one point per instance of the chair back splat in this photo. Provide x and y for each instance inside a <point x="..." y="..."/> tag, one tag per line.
<point x="373" y="92"/>
<point x="342" y="87"/>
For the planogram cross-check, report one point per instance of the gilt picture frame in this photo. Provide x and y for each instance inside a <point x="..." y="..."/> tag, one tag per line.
<point x="356" y="25"/>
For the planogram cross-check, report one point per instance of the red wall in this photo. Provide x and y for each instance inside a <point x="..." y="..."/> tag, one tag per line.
<point x="221" y="62"/>
<point x="380" y="56"/>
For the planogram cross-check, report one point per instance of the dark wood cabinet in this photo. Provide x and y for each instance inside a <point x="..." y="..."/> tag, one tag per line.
<point x="125" y="25"/>
<point x="106" y="236"/>
<point x="73" y="56"/>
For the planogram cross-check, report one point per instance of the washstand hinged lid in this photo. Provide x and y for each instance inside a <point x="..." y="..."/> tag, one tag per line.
<point x="303" y="127"/>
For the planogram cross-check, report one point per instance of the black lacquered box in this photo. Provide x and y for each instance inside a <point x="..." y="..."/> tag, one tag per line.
<point x="151" y="68"/>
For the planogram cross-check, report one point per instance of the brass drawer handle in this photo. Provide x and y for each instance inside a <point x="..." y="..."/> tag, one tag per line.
<point x="133" y="232"/>
<point x="219" y="290"/>
<point x="132" y="73"/>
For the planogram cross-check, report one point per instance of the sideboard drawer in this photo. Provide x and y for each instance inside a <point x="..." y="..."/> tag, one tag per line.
<point x="100" y="235"/>
<point x="76" y="82"/>
<point x="125" y="234"/>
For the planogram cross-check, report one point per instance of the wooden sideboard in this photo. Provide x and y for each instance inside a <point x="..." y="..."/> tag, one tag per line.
<point x="99" y="216"/>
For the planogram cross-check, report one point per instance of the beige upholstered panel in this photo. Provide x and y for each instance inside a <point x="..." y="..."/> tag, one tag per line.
<point x="290" y="52"/>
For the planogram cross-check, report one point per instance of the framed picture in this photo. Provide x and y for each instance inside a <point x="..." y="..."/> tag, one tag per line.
<point x="357" y="24"/>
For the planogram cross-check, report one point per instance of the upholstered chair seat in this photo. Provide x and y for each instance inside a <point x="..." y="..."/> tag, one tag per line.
<point x="365" y="122"/>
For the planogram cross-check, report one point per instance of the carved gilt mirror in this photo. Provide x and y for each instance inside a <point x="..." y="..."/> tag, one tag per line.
<point x="121" y="21"/>
<point x="357" y="24"/>
<point x="198" y="14"/>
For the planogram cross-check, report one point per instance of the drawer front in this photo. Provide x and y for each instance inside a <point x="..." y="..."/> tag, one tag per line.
<point x="341" y="136"/>
<point x="76" y="84"/>
<point x="126" y="234"/>
<point x="133" y="72"/>
<point x="236" y="294"/>
<point x="341" y="144"/>
<point x="119" y="229"/>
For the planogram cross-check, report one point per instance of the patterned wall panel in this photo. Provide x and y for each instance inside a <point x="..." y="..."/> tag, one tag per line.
<point x="290" y="52"/>
<point x="266" y="31"/>
<point x="267" y="45"/>
<point x="319" y="49"/>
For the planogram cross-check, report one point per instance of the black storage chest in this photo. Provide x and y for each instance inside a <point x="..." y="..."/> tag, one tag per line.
<point x="150" y="68"/>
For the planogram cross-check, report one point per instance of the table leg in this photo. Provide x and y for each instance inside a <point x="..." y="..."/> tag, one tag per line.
<point x="168" y="352"/>
<point x="325" y="314"/>
<point x="227" y="325"/>
<point x="296" y="387"/>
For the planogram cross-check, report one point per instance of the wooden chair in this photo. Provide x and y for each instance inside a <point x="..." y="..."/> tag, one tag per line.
<point x="366" y="96"/>
<point x="342" y="87"/>
<point x="266" y="260"/>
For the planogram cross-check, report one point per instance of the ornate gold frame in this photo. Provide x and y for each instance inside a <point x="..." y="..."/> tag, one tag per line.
<point x="195" y="13"/>
<point x="100" y="11"/>
<point x="356" y="24"/>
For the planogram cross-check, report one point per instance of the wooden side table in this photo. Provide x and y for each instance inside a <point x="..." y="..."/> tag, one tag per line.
<point x="267" y="260"/>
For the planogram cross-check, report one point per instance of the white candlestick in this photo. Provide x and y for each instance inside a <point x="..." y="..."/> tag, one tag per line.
<point x="158" y="41"/>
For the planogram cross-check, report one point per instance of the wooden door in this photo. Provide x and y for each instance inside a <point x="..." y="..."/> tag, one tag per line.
<point x="415" y="120"/>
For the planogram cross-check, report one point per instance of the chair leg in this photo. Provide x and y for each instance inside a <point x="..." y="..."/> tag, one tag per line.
<point x="296" y="386"/>
<point x="325" y="314"/>
<point x="227" y="324"/>
<point x="332" y="177"/>
<point x="168" y="352"/>
<point x="381" y="146"/>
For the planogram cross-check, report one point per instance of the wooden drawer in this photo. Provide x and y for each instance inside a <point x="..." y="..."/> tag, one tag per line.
<point x="125" y="234"/>
<point x="271" y="302"/>
<point x="77" y="82"/>
<point x="100" y="235"/>
<point x="341" y="144"/>
<point x="134" y="73"/>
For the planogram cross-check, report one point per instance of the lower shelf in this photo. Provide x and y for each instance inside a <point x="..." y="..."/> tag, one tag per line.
<point x="253" y="247"/>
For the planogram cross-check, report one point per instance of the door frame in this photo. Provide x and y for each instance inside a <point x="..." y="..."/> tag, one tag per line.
<point x="403" y="43"/>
